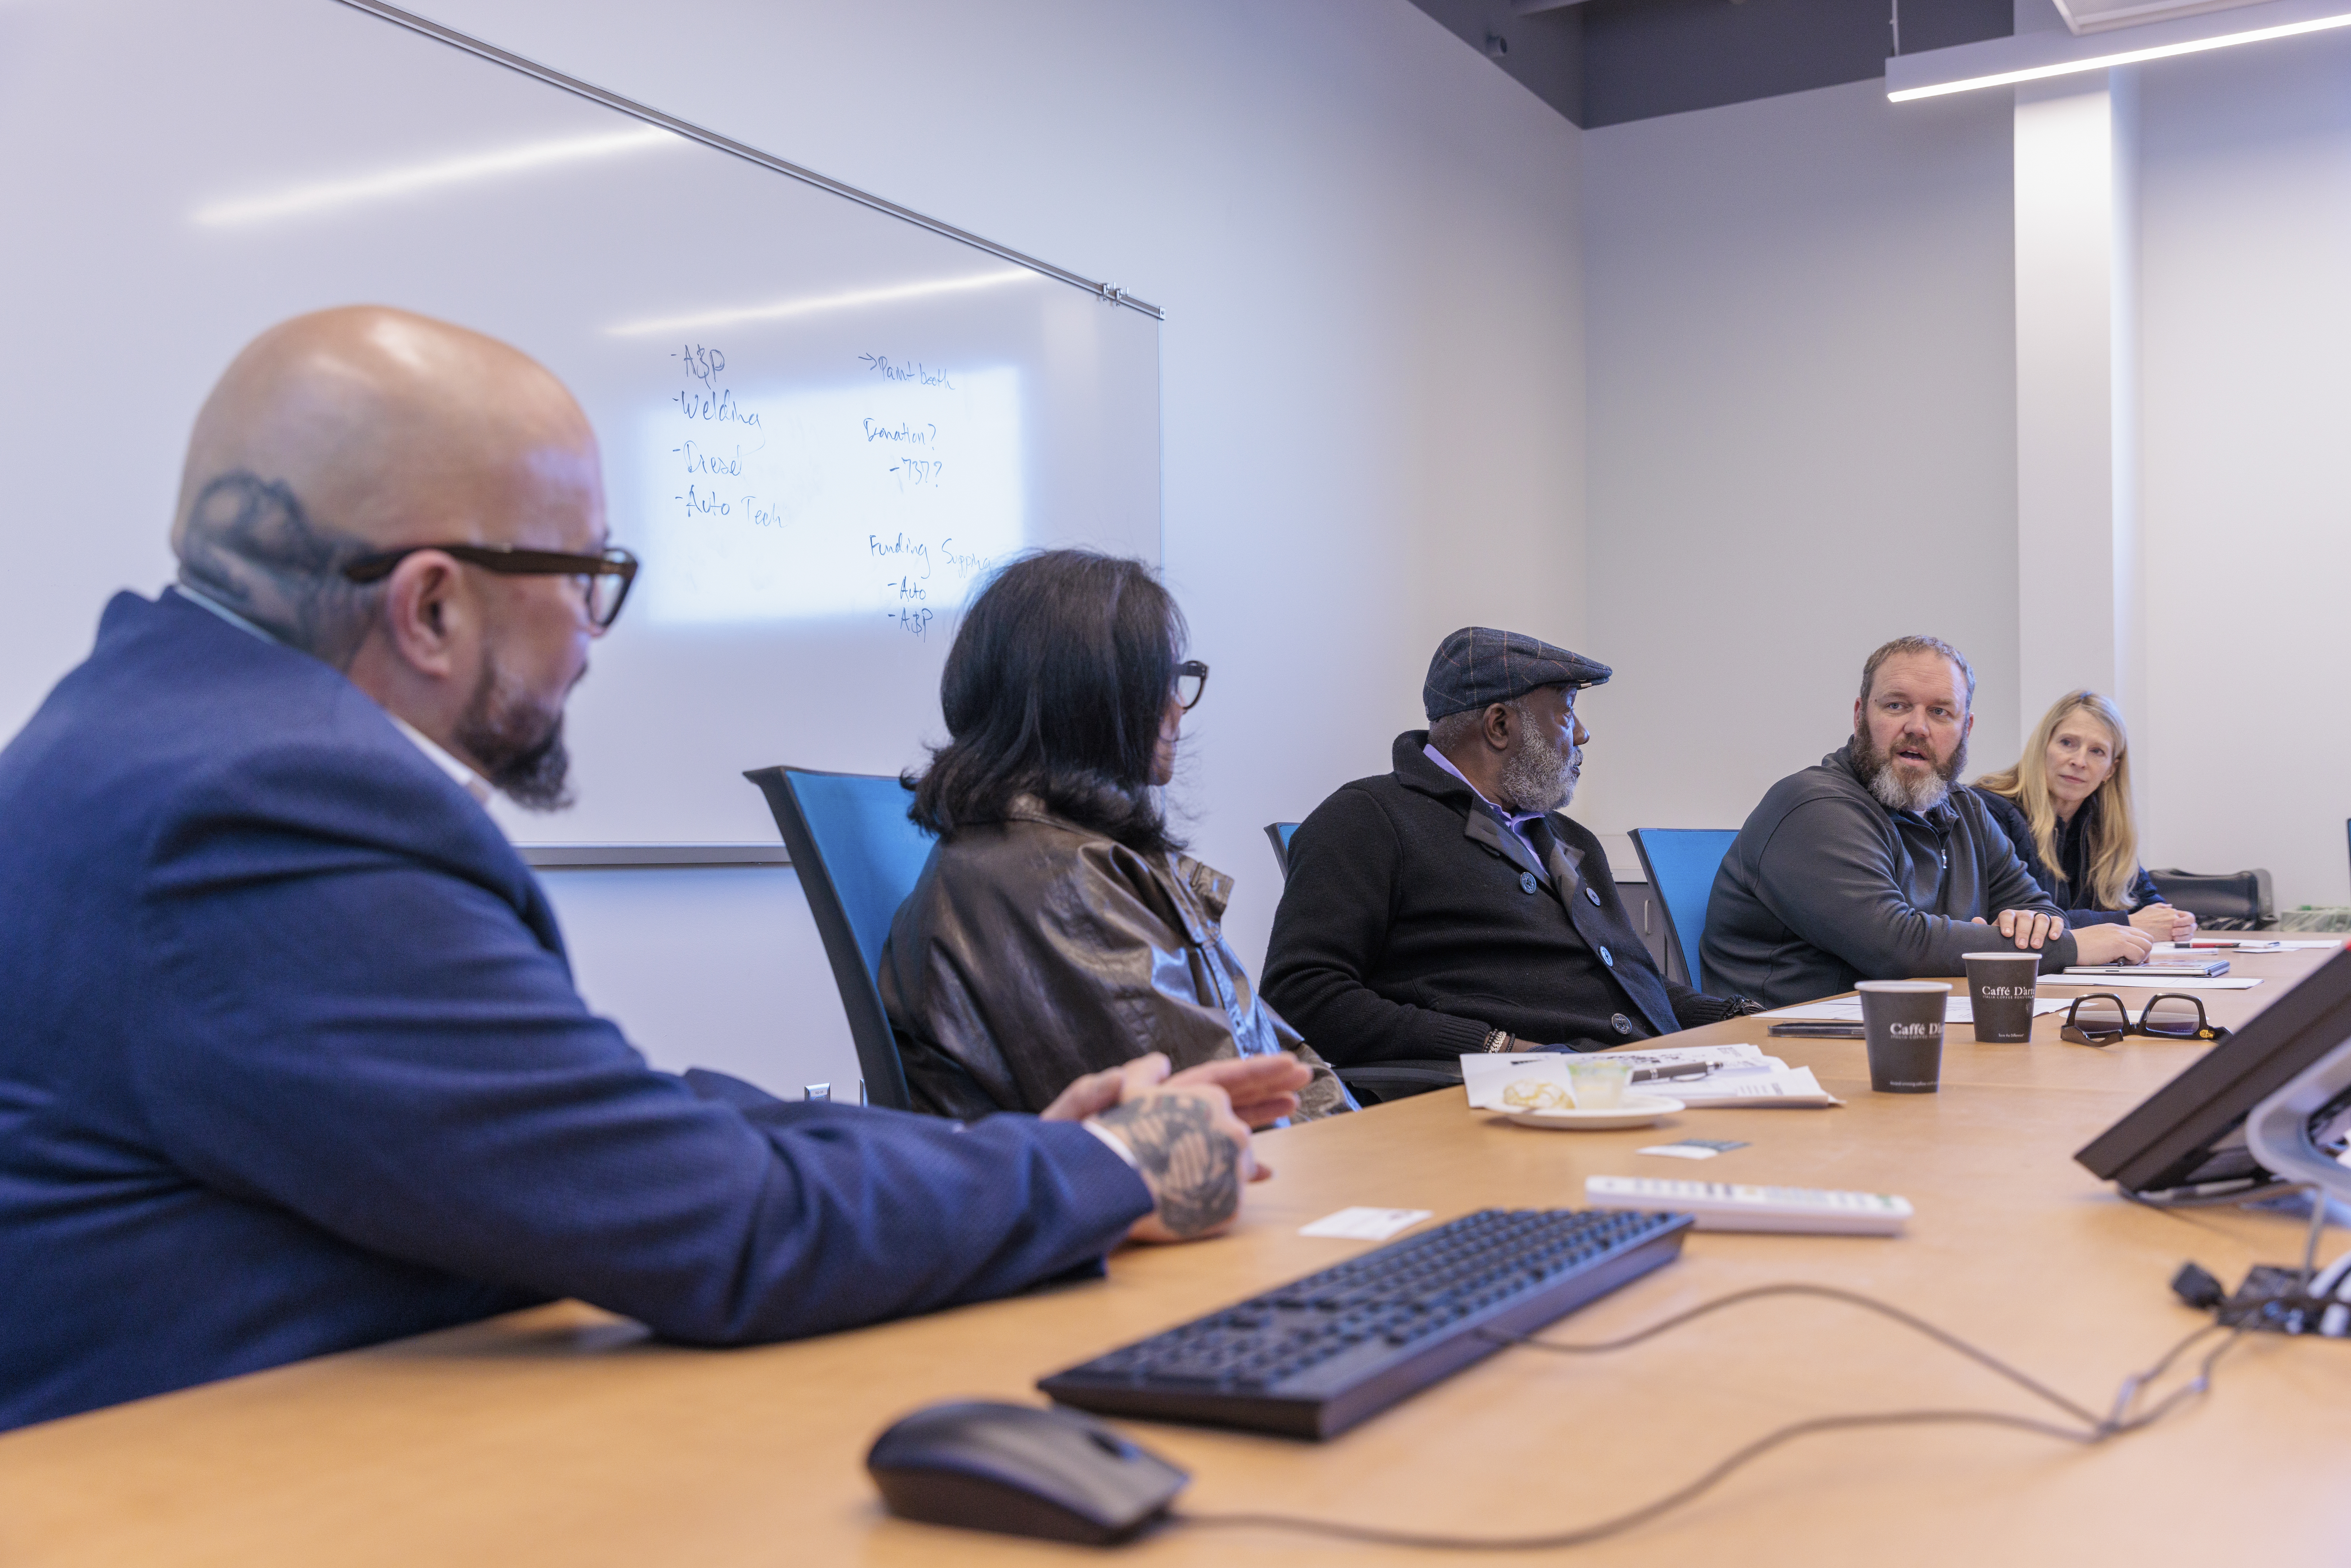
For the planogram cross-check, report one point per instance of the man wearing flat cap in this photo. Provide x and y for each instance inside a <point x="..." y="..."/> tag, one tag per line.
<point x="1448" y="907"/>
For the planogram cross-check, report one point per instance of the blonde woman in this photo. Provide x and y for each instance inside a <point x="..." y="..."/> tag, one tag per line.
<point x="2066" y="808"/>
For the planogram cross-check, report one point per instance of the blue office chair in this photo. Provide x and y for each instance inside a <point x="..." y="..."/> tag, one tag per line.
<point x="1278" y="835"/>
<point x="1681" y="863"/>
<point x="858" y="857"/>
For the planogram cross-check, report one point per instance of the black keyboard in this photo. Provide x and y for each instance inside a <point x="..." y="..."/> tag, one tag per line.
<point x="1317" y="1355"/>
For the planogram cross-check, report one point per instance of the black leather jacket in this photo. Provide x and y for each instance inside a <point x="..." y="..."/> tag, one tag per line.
<point x="1034" y="951"/>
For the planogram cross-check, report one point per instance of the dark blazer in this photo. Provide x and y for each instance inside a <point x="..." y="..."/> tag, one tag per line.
<point x="1825" y="886"/>
<point x="1034" y="951"/>
<point x="1415" y="923"/>
<point x="2073" y="857"/>
<point x="291" y="1062"/>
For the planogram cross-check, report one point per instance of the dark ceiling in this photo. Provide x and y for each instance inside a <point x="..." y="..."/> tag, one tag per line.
<point x="1605" y="62"/>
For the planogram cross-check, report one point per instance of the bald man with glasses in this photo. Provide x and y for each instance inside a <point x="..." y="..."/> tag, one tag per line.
<point x="291" y="1061"/>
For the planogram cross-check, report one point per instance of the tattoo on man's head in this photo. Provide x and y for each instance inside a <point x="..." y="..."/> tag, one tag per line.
<point x="248" y="543"/>
<point x="1195" y="1169"/>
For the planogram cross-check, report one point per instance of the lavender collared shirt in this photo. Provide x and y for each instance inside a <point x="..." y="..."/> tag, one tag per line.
<point x="1515" y="821"/>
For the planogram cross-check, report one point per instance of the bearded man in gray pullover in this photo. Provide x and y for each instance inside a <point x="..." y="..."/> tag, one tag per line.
<point x="1871" y="867"/>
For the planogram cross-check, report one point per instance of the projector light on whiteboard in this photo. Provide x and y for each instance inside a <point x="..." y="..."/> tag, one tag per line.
<point x="885" y="498"/>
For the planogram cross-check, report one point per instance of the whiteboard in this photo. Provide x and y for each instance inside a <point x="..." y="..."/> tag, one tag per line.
<point x="821" y="424"/>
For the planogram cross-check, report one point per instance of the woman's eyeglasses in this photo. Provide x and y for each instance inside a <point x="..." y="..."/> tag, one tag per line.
<point x="605" y="577"/>
<point x="1191" y="680"/>
<point x="2101" y="1020"/>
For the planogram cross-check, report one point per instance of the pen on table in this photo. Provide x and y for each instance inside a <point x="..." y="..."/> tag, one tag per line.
<point x="1679" y="1070"/>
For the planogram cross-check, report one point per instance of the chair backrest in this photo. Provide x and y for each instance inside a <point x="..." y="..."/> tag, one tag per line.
<point x="1681" y="863"/>
<point x="858" y="858"/>
<point x="2234" y="901"/>
<point x="1278" y="835"/>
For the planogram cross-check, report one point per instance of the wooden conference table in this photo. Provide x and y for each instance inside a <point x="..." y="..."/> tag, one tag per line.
<point x="560" y="1436"/>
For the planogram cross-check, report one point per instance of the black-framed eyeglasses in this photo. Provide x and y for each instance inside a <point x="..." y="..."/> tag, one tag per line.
<point x="1191" y="680"/>
<point x="604" y="576"/>
<point x="2101" y="1019"/>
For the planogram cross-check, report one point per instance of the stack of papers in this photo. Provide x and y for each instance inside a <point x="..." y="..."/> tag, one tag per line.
<point x="1736" y="1075"/>
<point x="1742" y="1075"/>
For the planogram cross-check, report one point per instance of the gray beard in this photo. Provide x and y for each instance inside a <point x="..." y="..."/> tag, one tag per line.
<point x="518" y="741"/>
<point x="1897" y="794"/>
<point x="1534" y="776"/>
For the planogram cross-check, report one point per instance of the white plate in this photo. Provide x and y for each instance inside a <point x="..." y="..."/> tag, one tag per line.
<point x="1637" y="1110"/>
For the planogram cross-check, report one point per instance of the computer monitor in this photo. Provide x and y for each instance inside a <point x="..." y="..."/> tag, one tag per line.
<point x="2186" y="1142"/>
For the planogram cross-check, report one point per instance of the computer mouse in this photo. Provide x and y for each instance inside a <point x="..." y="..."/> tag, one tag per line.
<point x="1022" y="1470"/>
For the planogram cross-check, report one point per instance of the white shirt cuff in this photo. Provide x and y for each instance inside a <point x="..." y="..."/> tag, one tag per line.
<point x="1118" y="1144"/>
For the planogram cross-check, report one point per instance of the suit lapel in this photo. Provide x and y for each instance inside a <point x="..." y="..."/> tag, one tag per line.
<point x="1480" y="826"/>
<point x="1632" y="973"/>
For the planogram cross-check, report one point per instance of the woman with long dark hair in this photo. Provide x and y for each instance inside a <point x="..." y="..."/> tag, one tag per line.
<point x="1058" y="929"/>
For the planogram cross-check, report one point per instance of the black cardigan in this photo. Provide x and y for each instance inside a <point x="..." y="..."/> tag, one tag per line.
<point x="2073" y="856"/>
<point x="1414" y="924"/>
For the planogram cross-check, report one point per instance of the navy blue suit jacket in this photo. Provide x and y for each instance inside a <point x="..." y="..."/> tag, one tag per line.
<point x="290" y="1061"/>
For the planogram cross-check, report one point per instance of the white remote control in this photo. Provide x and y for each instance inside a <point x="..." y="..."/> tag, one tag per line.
<point x="1727" y="1206"/>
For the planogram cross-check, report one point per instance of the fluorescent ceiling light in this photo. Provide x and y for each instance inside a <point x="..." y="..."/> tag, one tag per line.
<point x="809" y="306"/>
<point x="448" y="172"/>
<point x="2121" y="57"/>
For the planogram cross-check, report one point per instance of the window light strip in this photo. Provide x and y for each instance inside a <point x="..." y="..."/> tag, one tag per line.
<point x="449" y="171"/>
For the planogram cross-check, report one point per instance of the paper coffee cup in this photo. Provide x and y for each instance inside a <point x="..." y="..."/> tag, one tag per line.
<point x="2001" y="988"/>
<point x="1902" y="1023"/>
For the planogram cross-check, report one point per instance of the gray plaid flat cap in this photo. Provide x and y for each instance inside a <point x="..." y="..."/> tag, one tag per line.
<point x="1478" y="665"/>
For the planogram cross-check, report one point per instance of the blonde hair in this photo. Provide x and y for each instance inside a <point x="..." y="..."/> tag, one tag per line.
<point x="2114" y="853"/>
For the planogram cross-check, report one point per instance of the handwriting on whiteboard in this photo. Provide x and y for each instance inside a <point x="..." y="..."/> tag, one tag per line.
<point x="885" y="489"/>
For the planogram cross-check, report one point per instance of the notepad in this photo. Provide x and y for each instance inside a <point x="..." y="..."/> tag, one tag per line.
<point x="2153" y="982"/>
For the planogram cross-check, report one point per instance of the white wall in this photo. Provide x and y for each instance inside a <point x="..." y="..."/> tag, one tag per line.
<point x="2245" y="193"/>
<point x="1804" y="377"/>
<point x="713" y="966"/>
<point x="1801" y="353"/>
<point x="1365" y="240"/>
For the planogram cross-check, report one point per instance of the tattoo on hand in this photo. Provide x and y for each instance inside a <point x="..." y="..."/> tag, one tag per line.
<point x="1193" y="1168"/>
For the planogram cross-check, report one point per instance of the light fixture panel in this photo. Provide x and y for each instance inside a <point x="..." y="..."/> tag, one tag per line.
<point x="2102" y="16"/>
<point x="2037" y="56"/>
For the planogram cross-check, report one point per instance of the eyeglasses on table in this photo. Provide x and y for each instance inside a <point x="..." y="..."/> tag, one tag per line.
<point x="2102" y="1019"/>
